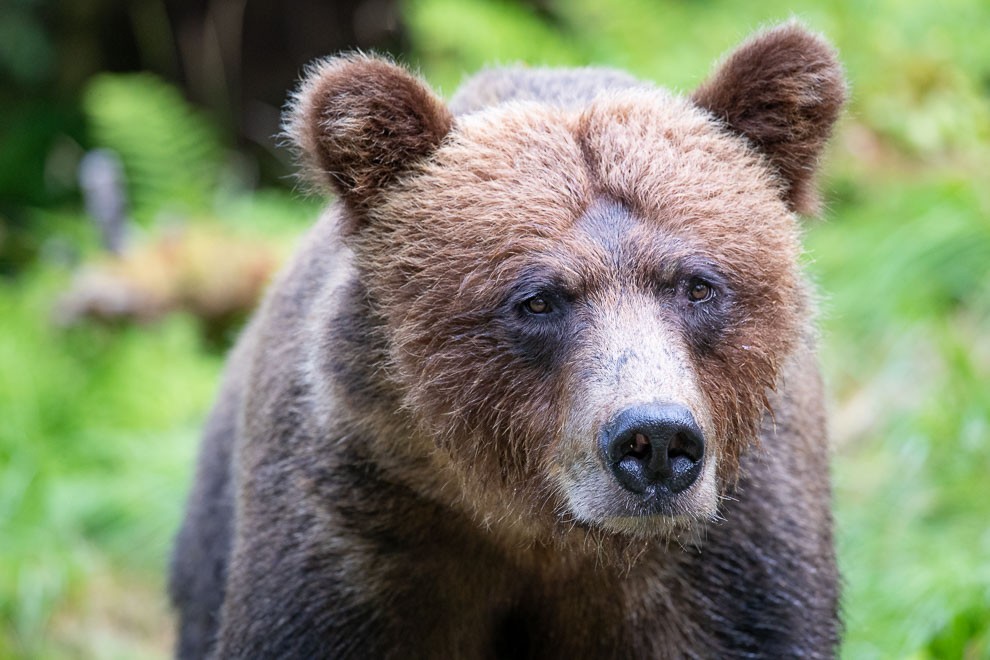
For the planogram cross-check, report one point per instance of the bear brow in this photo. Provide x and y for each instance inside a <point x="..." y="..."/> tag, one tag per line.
<point x="538" y="278"/>
<point x="606" y="222"/>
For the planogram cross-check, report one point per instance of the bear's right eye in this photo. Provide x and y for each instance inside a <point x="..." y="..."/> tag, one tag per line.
<point x="700" y="291"/>
<point x="537" y="305"/>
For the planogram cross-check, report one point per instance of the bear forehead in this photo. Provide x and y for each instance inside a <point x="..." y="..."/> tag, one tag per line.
<point x="527" y="173"/>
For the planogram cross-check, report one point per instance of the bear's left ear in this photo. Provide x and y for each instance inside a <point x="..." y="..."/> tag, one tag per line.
<point x="783" y="90"/>
<point x="359" y="121"/>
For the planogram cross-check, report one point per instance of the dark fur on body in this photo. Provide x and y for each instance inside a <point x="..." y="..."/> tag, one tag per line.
<point x="382" y="475"/>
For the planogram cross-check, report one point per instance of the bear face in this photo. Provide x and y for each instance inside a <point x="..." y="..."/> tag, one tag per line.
<point x="584" y="309"/>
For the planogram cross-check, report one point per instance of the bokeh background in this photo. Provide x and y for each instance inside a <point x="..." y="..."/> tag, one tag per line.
<point x="144" y="202"/>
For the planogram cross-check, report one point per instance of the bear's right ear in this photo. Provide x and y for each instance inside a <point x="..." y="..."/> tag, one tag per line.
<point x="359" y="121"/>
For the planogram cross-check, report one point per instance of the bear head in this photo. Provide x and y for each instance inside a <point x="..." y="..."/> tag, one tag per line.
<point x="585" y="309"/>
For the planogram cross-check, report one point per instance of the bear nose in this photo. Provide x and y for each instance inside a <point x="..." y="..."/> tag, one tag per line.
<point x="657" y="446"/>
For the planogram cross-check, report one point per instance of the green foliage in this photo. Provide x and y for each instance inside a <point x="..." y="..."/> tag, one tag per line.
<point x="172" y="156"/>
<point x="98" y="435"/>
<point x="919" y="71"/>
<point x="458" y="37"/>
<point x="923" y="249"/>
<point x="907" y="271"/>
<point x="101" y="423"/>
<point x="26" y="53"/>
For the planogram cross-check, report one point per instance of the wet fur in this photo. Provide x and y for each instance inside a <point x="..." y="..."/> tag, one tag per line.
<point x="382" y="475"/>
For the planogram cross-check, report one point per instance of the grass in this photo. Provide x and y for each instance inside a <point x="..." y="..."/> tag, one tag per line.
<point x="908" y="358"/>
<point x="98" y="426"/>
<point x="99" y="431"/>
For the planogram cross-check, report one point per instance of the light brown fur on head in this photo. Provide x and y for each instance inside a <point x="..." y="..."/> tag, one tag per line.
<point x="533" y="174"/>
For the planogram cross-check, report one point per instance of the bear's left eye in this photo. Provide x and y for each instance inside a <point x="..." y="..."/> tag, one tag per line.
<point x="537" y="305"/>
<point x="699" y="290"/>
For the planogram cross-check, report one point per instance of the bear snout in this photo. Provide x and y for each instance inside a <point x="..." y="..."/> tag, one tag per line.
<point x="654" y="449"/>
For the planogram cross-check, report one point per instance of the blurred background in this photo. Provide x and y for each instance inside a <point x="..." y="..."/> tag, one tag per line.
<point x="144" y="202"/>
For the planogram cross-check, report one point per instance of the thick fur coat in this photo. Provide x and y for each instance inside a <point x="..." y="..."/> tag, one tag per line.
<point x="542" y="383"/>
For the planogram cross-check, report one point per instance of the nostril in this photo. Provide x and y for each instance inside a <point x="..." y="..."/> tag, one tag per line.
<point x="640" y="447"/>
<point x="683" y="445"/>
<point x="683" y="453"/>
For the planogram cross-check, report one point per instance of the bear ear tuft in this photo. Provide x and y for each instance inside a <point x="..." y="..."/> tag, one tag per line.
<point x="358" y="121"/>
<point x="783" y="90"/>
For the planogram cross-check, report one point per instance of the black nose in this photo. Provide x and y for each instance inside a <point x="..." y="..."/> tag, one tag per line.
<point x="654" y="445"/>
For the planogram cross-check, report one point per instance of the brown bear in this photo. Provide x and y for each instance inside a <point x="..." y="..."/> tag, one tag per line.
<point x="541" y="383"/>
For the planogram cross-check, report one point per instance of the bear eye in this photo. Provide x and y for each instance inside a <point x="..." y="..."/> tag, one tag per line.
<point x="537" y="305"/>
<point x="700" y="291"/>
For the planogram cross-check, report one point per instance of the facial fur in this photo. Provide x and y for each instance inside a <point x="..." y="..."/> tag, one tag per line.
<point x="608" y="214"/>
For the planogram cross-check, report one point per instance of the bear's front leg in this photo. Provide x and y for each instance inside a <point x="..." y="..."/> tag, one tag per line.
<point x="288" y="597"/>
<point x="356" y="568"/>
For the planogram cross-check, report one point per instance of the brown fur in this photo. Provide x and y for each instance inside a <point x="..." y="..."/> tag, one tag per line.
<point x="415" y="461"/>
<point x="360" y="121"/>
<point x="783" y="90"/>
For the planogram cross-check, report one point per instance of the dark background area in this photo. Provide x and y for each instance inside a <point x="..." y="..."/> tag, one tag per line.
<point x="233" y="58"/>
